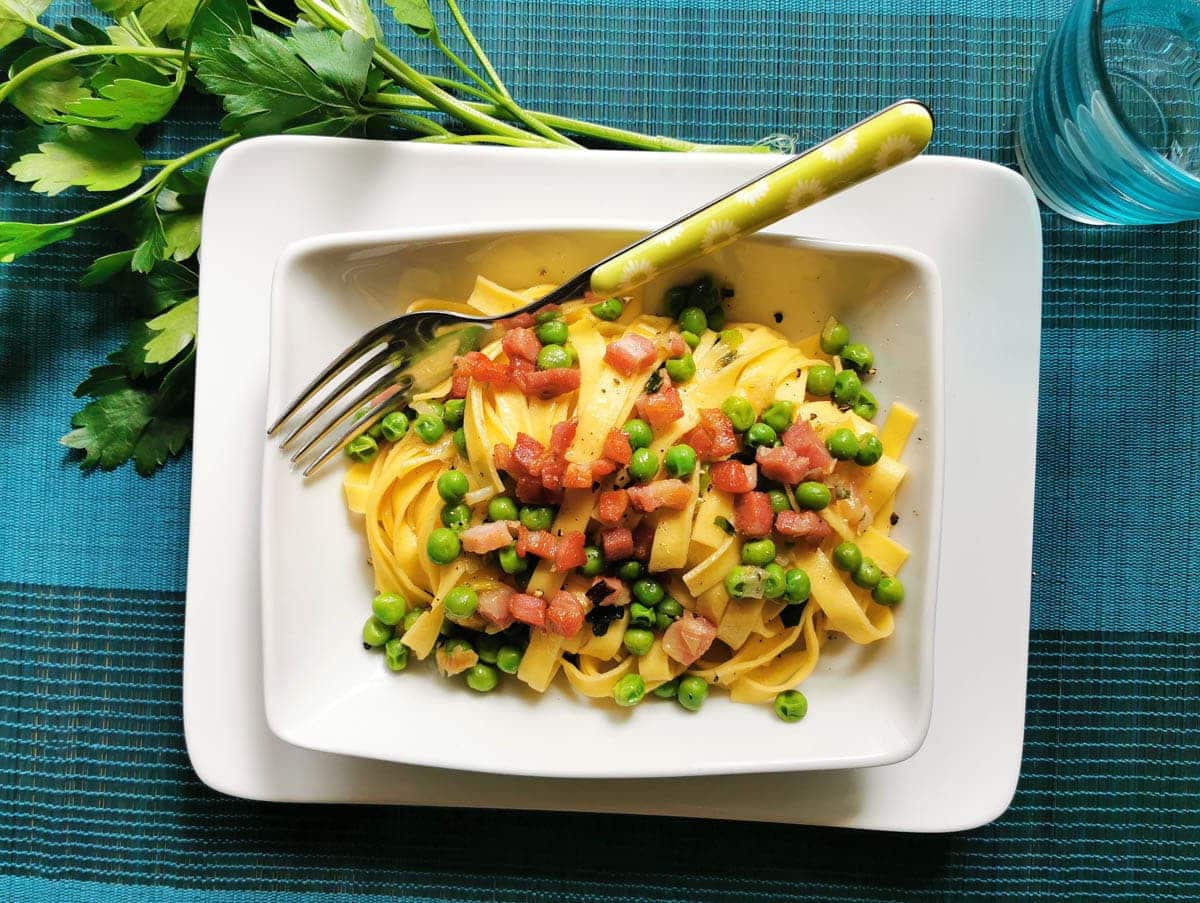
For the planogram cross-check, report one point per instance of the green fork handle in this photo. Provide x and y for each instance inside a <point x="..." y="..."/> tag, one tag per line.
<point x="890" y="137"/>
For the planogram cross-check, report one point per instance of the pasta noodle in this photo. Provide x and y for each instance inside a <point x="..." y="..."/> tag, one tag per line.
<point x="714" y="599"/>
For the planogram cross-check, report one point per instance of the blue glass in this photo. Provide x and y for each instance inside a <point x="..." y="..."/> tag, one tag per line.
<point x="1110" y="131"/>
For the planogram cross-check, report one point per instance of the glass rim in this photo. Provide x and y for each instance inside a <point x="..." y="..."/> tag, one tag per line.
<point x="1110" y="95"/>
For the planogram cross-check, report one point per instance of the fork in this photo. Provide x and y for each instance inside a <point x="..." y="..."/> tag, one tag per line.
<point x="415" y="352"/>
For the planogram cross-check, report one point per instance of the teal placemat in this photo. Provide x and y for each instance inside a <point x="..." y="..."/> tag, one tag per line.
<point x="97" y="801"/>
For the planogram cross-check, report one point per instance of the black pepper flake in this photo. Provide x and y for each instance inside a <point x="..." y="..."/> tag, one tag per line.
<point x="601" y="616"/>
<point x="598" y="592"/>
<point x="793" y="614"/>
<point x="778" y="316"/>
<point x="894" y="519"/>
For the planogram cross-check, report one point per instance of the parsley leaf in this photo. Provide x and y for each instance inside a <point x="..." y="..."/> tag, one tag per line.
<point x="15" y="15"/>
<point x="163" y="437"/>
<point x="103" y="380"/>
<point x="172" y="332"/>
<point x="105" y="268"/>
<point x="50" y="91"/>
<point x="155" y="16"/>
<point x="17" y="239"/>
<point x="182" y="233"/>
<point x="416" y="14"/>
<point x="128" y="93"/>
<point x="95" y="160"/>
<point x="107" y="429"/>
<point x="152" y="246"/>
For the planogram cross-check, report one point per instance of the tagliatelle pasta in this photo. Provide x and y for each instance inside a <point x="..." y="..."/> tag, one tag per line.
<point x="640" y="503"/>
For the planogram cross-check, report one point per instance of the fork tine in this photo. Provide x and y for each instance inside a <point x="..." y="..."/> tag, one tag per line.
<point x="367" y="404"/>
<point x="336" y="366"/>
<point x="346" y="386"/>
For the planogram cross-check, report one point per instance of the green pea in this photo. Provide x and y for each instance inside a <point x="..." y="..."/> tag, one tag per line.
<point x="630" y="570"/>
<point x="482" y="678"/>
<point x="510" y="561"/>
<point x="858" y="356"/>
<point x="690" y="339"/>
<point x="641" y="615"/>
<point x="375" y="633"/>
<point x="553" y="357"/>
<point x="681" y="369"/>
<point x="692" y="319"/>
<point x="390" y="608"/>
<point x="870" y="450"/>
<point x="430" y="428"/>
<point x="834" y="336"/>
<point x="508" y="659"/>
<point x="716" y="319"/>
<point x="813" y="496"/>
<point x="797" y="586"/>
<point x="461" y="602"/>
<point x="443" y="546"/>
<point x="778" y="415"/>
<point x="545" y="316"/>
<point x="488" y="647"/>
<point x="739" y="412"/>
<point x="791" y="706"/>
<point x="436" y="408"/>
<point x="847" y="556"/>
<point x="846" y="387"/>
<point x="775" y="581"/>
<point x="639" y="433"/>
<point x="453" y="485"/>
<point x="890" y="591"/>
<point x="643" y="465"/>
<point x="866" y="407"/>
<point x="705" y="295"/>
<point x="779" y="500"/>
<point x="572" y="353"/>
<point x="732" y="337"/>
<point x="456" y="517"/>
<point x="842" y="444"/>
<point x="760" y="434"/>
<point x="537" y="518"/>
<point x="376" y="432"/>
<point x="739" y="579"/>
<point x="648" y="591"/>
<point x="411" y="618"/>
<point x="692" y="692"/>
<point x="459" y="437"/>
<point x="758" y="552"/>
<point x="821" y="378"/>
<point x="593" y="563"/>
<point x="456" y="409"/>
<point x="867" y="574"/>
<point x="638" y="641"/>
<point x="362" y="448"/>
<point x="501" y="507"/>
<point x="667" y="690"/>
<point x="680" y="461"/>
<point x="666" y="613"/>
<point x="553" y="333"/>
<point x="609" y="309"/>
<point x="630" y="690"/>
<point x="395" y="654"/>
<point x="676" y="299"/>
<point x="394" y="426"/>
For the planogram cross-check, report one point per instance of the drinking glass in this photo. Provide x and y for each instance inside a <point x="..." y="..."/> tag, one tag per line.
<point x="1110" y="130"/>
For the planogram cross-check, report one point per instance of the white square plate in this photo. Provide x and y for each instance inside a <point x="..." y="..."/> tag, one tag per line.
<point x="869" y="705"/>
<point x="978" y="222"/>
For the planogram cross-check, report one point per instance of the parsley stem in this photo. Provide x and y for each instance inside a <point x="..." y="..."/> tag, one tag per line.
<point x="65" y="56"/>
<point x="477" y="49"/>
<point x="51" y="33"/>
<point x="480" y="139"/>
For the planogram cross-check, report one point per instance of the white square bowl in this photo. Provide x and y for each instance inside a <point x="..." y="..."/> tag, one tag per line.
<point x="868" y="705"/>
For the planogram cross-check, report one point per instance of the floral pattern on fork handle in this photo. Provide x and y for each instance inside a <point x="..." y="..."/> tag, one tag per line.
<point x="890" y="137"/>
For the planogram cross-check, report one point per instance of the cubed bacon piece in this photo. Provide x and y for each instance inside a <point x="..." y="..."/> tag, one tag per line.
<point x="617" y="543"/>
<point x="617" y="447"/>
<point x="502" y="457"/>
<point x="734" y="476"/>
<point x="673" y="494"/>
<point x="643" y="540"/>
<point x="493" y="606"/>
<point x="460" y="385"/>
<point x="688" y="638"/>
<point x="541" y="543"/>
<point x="611" y="506"/>
<point x="801" y="438"/>
<point x="562" y="435"/>
<point x="481" y="368"/>
<point x="804" y="526"/>
<point x="553" y="470"/>
<point x="661" y="408"/>
<point x="518" y="321"/>
<point x="630" y="353"/>
<point x="569" y="553"/>
<point x="578" y="476"/>
<point x="546" y="384"/>
<point x="675" y="345"/>
<point x="528" y="455"/>
<point x="484" y="538"/>
<point x="752" y="514"/>
<point x="532" y="491"/>
<point x="528" y="609"/>
<point x="521" y="342"/>
<point x="608" y="591"/>
<point x="602" y="467"/>
<point x="714" y="439"/>
<point x="781" y="464"/>
<point x="522" y="540"/>
<point x="564" y="615"/>
<point x="456" y="659"/>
